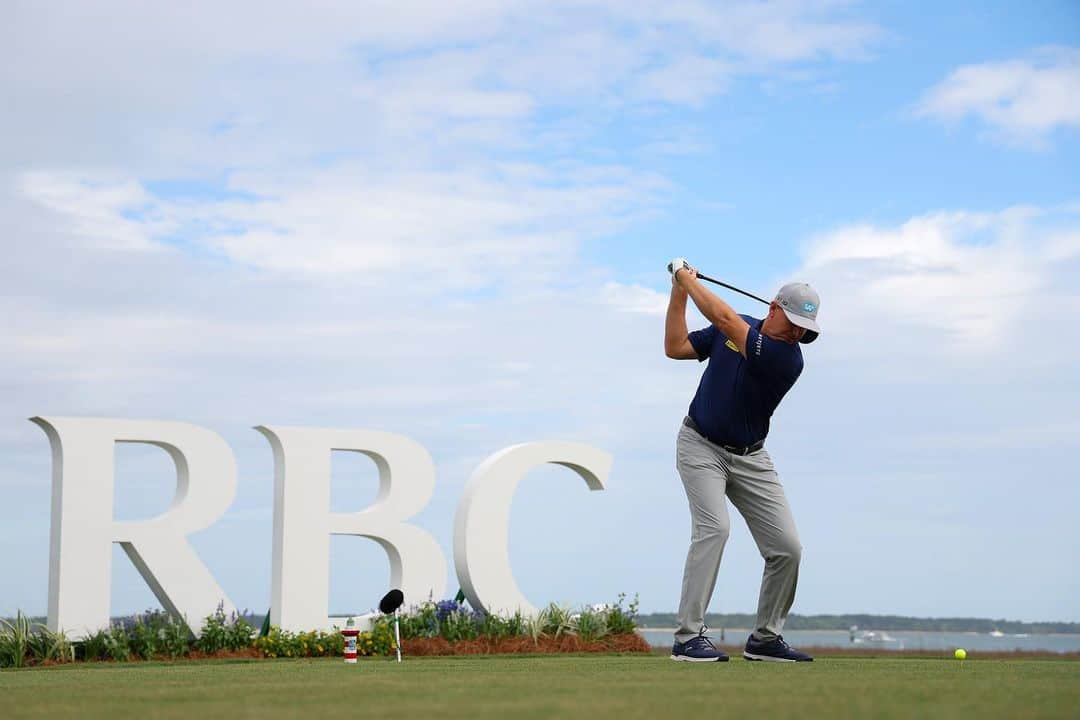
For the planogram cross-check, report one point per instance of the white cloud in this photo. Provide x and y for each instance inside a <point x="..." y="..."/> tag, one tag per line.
<point x="787" y="31"/>
<point x="635" y="299"/>
<point x="97" y="211"/>
<point x="456" y="143"/>
<point x="961" y="282"/>
<point x="688" y="80"/>
<point x="198" y="88"/>
<point x="1022" y="100"/>
<point x="448" y="229"/>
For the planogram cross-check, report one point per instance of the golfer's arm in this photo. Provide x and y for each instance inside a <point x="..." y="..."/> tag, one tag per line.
<point x="676" y="336"/>
<point x="718" y="312"/>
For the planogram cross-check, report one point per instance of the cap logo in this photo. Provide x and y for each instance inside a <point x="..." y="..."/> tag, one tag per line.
<point x="809" y="307"/>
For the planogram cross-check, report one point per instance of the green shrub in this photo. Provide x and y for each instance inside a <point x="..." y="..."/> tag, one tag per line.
<point x="419" y="622"/>
<point x="382" y="640"/>
<point x="620" y="620"/>
<point x="214" y="633"/>
<point x="238" y="634"/>
<point x="590" y="624"/>
<point x="459" y="625"/>
<point x="557" y="621"/>
<point x="335" y="644"/>
<point x="224" y="633"/>
<point x="93" y="646"/>
<point x="274" y="643"/>
<point x="116" y="644"/>
<point x="174" y="638"/>
<point x="24" y="642"/>
<point x="454" y="622"/>
<point x="498" y="627"/>
<point x="15" y="638"/>
<point x="47" y="646"/>
<point x="515" y="625"/>
<point x="534" y="625"/>
<point x="316" y="643"/>
<point x="143" y="635"/>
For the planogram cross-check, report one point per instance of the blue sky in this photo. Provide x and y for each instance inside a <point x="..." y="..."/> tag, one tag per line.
<point x="452" y="222"/>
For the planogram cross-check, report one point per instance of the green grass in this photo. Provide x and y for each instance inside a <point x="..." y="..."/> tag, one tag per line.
<point x="644" y="686"/>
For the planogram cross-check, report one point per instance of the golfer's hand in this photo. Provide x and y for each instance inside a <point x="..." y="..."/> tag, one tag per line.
<point x="675" y="266"/>
<point x="678" y="264"/>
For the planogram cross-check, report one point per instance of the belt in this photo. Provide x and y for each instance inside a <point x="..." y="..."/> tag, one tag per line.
<point x="733" y="449"/>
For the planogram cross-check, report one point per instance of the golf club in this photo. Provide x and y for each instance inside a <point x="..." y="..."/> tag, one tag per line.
<point x="724" y="284"/>
<point x="389" y="604"/>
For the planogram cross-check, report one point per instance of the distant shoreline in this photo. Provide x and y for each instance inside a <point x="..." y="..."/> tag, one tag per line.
<point x="664" y="621"/>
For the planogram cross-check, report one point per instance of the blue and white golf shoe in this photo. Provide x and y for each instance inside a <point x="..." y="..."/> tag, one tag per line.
<point x="775" y="650"/>
<point x="698" y="649"/>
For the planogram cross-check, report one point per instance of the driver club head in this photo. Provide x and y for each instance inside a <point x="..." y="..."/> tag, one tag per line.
<point x="391" y="601"/>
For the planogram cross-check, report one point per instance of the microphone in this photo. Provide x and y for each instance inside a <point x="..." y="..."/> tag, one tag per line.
<point x="389" y="604"/>
<point x="391" y="601"/>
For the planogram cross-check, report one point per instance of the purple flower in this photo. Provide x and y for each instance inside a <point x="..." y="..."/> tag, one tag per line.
<point x="444" y="608"/>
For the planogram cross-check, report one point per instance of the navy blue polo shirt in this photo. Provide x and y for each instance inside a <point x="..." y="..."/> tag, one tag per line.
<point x="737" y="395"/>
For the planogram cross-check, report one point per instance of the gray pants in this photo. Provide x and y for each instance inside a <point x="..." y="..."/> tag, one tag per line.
<point x="708" y="473"/>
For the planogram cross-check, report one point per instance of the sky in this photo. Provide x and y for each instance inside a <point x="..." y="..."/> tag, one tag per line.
<point x="452" y="221"/>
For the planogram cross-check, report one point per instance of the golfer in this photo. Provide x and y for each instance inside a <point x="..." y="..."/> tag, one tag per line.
<point x="721" y="451"/>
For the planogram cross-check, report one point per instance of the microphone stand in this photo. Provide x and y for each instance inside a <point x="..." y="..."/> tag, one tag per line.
<point x="397" y="635"/>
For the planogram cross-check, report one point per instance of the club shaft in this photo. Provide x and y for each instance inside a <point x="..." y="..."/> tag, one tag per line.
<point x="731" y="287"/>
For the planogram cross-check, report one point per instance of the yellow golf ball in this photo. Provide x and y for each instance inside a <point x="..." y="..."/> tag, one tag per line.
<point x="960" y="653"/>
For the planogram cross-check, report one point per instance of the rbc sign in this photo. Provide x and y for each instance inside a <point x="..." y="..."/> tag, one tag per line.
<point x="83" y="529"/>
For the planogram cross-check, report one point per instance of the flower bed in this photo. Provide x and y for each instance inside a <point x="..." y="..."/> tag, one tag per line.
<point x="432" y="628"/>
<point x="450" y="628"/>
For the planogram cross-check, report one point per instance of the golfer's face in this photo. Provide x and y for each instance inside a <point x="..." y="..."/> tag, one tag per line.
<point x="789" y="332"/>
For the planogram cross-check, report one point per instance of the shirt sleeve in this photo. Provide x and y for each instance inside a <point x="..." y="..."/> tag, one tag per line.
<point x="773" y="358"/>
<point x="703" y="340"/>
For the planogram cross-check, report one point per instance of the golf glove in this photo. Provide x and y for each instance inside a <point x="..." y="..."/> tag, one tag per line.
<point x="675" y="265"/>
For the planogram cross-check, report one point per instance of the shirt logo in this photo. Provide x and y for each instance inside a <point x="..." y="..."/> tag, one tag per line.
<point x="809" y="307"/>
<point x="732" y="345"/>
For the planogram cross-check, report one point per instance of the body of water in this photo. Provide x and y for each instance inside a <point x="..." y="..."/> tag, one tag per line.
<point x="893" y="640"/>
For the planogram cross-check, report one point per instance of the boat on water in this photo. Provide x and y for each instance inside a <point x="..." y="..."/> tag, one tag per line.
<point x="873" y="637"/>
<point x="996" y="633"/>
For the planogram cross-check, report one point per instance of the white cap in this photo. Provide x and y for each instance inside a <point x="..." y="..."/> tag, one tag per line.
<point x="800" y="303"/>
